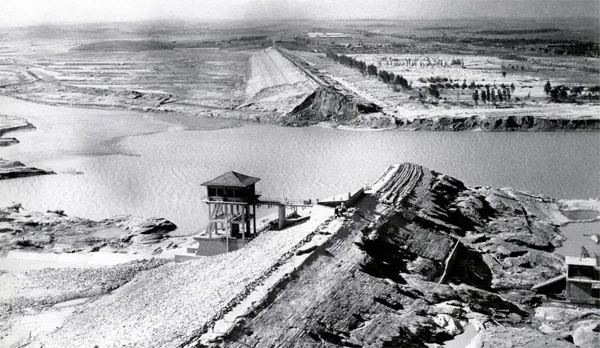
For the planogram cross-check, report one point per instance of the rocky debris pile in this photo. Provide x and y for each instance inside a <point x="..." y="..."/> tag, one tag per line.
<point x="508" y="236"/>
<point x="54" y="231"/>
<point x="329" y="105"/>
<point x="423" y="257"/>
<point x="142" y="230"/>
<point x="15" y="169"/>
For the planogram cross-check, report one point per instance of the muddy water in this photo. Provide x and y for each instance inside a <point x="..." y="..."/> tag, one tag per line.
<point x="120" y="162"/>
<point x="578" y="235"/>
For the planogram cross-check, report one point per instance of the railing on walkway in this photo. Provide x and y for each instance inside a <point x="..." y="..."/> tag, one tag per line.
<point x="285" y="201"/>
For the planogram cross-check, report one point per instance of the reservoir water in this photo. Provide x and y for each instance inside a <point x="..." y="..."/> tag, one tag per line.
<point x="114" y="162"/>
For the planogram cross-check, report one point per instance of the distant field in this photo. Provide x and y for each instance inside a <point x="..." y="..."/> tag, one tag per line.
<point x="206" y="77"/>
<point x="125" y="45"/>
<point x="528" y="76"/>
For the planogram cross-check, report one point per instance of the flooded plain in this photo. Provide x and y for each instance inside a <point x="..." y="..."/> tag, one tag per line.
<point x="114" y="162"/>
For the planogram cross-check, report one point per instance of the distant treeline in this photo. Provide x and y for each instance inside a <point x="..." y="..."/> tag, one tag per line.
<point x="396" y="81"/>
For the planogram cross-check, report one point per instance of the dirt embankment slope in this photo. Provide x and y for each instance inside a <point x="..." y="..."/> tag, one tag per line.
<point x="420" y="257"/>
<point x="297" y="94"/>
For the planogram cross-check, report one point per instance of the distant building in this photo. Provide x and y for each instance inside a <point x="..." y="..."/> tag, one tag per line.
<point x="583" y="280"/>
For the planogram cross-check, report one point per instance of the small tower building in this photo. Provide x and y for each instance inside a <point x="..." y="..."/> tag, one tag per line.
<point x="232" y="200"/>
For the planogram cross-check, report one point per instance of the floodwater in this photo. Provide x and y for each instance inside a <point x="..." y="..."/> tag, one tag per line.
<point x="114" y="162"/>
<point x="578" y="235"/>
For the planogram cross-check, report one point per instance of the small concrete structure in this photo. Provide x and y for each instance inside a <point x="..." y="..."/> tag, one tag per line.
<point x="580" y="283"/>
<point x="583" y="280"/>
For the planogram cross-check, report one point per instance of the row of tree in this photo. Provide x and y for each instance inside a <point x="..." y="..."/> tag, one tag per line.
<point x="564" y="94"/>
<point x="396" y="81"/>
<point x="485" y="95"/>
<point x="444" y="82"/>
<point x="492" y="95"/>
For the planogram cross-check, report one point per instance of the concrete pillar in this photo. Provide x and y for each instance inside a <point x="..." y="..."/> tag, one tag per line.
<point x="254" y="219"/>
<point x="281" y="216"/>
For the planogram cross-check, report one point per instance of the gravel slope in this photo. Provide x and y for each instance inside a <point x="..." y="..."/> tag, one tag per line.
<point x="166" y="306"/>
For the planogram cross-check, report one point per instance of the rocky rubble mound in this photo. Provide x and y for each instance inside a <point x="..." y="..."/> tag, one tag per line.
<point x="329" y="105"/>
<point x="422" y="257"/>
<point x="54" y="231"/>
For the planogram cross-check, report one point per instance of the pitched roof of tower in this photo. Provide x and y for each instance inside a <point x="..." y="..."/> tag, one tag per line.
<point x="232" y="179"/>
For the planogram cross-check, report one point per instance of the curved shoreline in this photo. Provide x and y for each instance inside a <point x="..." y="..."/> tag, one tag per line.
<point x="15" y="169"/>
<point x="490" y="123"/>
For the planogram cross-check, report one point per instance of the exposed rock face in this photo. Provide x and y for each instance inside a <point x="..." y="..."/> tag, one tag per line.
<point x="15" y="169"/>
<point x="55" y="232"/>
<point x="376" y="284"/>
<point x="497" y="123"/>
<point x="329" y="105"/>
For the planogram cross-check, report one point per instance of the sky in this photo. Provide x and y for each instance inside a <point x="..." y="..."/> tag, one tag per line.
<point x="23" y="12"/>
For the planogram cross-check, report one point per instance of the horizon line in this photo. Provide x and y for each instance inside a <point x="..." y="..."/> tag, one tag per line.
<point x="213" y="20"/>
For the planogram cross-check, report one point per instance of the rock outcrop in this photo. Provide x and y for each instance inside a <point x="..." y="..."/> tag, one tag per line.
<point x="56" y="232"/>
<point x="15" y="169"/>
